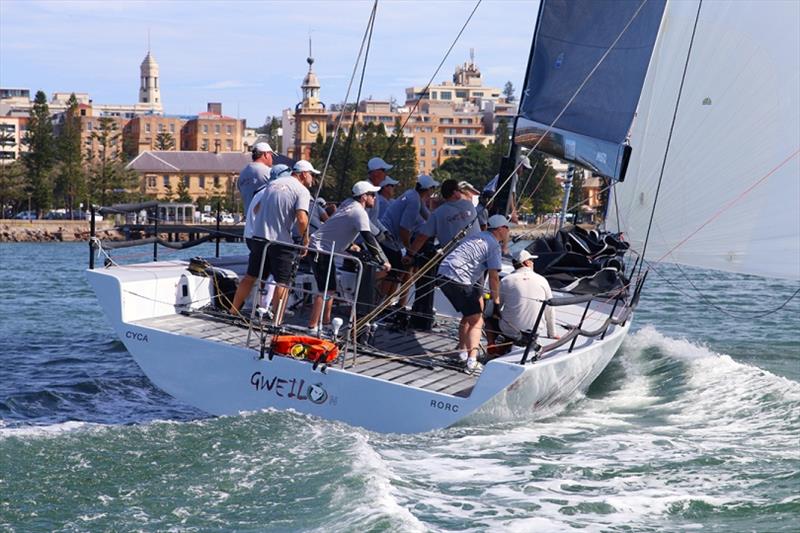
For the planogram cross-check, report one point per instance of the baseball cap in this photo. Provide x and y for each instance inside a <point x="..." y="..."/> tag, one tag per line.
<point x="426" y="182"/>
<point x="497" y="221"/>
<point x="377" y="163"/>
<point x="263" y="148"/>
<point x="304" y="166"/>
<point x="279" y="171"/>
<point x="388" y="180"/>
<point x="465" y="185"/>
<point x="321" y="201"/>
<point x="363" y="187"/>
<point x="522" y="255"/>
<point x="523" y="159"/>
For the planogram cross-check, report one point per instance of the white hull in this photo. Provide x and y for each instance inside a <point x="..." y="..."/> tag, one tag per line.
<point x="225" y="378"/>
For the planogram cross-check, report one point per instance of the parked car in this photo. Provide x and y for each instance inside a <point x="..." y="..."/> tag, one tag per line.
<point x="26" y="215"/>
<point x="227" y="218"/>
<point x="207" y="219"/>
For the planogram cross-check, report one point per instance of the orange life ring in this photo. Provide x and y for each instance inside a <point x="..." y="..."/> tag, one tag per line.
<point x="300" y="347"/>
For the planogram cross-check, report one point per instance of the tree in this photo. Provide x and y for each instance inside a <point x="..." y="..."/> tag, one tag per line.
<point x="12" y="185"/>
<point x="545" y="192"/>
<point x="40" y="157"/>
<point x="502" y="143"/>
<point x="165" y="141"/>
<point x="508" y="92"/>
<point x="183" y="192"/>
<point x="269" y="131"/>
<point x="473" y="164"/>
<point x="70" y="182"/>
<point x="169" y="195"/>
<point x="109" y="179"/>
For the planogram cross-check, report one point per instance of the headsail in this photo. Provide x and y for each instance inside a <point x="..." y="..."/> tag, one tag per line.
<point x="730" y="194"/>
<point x="571" y="38"/>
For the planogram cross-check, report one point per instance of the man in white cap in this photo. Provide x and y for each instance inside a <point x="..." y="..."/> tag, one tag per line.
<point x="255" y="175"/>
<point x="522" y="293"/>
<point x="386" y="194"/>
<point x="285" y="201"/>
<point x="461" y="281"/>
<point x="404" y="217"/>
<point x="376" y="173"/>
<point x="335" y="236"/>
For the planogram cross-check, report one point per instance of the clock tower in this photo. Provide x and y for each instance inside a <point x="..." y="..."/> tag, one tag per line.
<point x="310" y="117"/>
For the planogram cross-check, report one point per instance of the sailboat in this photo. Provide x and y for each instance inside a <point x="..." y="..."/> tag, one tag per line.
<point x="594" y="69"/>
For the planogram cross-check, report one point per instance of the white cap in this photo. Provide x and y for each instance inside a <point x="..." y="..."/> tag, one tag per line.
<point x="523" y="255"/>
<point x="497" y="221"/>
<point x="525" y="161"/>
<point x="263" y="148"/>
<point x="363" y="187"/>
<point x="377" y="163"/>
<point x="426" y="182"/>
<point x="304" y="166"/>
<point x="388" y="180"/>
<point x="321" y="201"/>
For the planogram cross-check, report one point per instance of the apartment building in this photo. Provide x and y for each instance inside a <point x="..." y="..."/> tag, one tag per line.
<point x="211" y="131"/>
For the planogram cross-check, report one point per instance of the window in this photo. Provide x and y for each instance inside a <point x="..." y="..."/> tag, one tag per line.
<point x="172" y="128"/>
<point x="151" y="182"/>
<point x="204" y="145"/>
<point x="422" y="141"/>
<point x="422" y="152"/>
<point x="434" y="95"/>
<point x="186" y="181"/>
<point x="217" y="129"/>
<point x="160" y="128"/>
<point x="461" y="94"/>
<point x="147" y="128"/>
<point x="433" y="152"/>
<point x="229" y="145"/>
<point x="205" y="128"/>
<point x="446" y="95"/>
<point x="166" y="182"/>
<point x="89" y="125"/>
<point x="477" y="93"/>
<point x="229" y="130"/>
<point x="201" y="182"/>
<point x="216" y="181"/>
<point x="464" y="121"/>
<point x="446" y="120"/>
<point x="433" y="141"/>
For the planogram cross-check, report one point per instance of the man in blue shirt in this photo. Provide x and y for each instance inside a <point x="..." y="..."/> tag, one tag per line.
<point x="461" y="281"/>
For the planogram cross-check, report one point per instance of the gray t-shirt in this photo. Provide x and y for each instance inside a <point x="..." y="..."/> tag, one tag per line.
<point x="252" y="178"/>
<point x="467" y="263"/>
<point x="448" y="219"/>
<point x="339" y="231"/>
<point x="483" y="215"/>
<point x="406" y="212"/>
<point x="276" y="216"/>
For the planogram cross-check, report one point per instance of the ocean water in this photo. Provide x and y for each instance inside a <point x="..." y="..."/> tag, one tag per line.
<point x="695" y="425"/>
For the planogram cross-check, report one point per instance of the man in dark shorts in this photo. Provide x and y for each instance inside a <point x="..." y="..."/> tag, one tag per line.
<point x="335" y="236"/>
<point x="285" y="201"/>
<point x="461" y="281"/>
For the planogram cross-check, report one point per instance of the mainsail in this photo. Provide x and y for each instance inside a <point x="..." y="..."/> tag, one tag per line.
<point x="730" y="192"/>
<point x="588" y="63"/>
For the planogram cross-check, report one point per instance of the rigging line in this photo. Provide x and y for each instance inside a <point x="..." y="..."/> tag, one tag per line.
<point x="616" y="206"/>
<point x="367" y="31"/>
<point x="755" y="315"/>
<point x="527" y="181"/>
<point x="728" y="205"/>
<point x="671" y="130"/>
<point x="430" y="81"/>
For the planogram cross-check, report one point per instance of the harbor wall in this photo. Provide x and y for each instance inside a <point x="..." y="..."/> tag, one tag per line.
<point x="55" y="231"/>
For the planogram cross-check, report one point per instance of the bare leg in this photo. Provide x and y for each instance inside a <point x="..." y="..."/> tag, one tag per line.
<point x="242" y="292"/>
<point x="473" y="334"/>
<point x="279" y="303"/>
<point x="326" y="319"/>
<point x="316" y="311"/>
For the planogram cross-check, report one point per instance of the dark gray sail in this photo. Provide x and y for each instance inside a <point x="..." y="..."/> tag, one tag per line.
<point x="571" y="38"/>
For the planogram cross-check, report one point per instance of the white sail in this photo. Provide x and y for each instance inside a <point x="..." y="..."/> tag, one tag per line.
<point x="730" y="196"/>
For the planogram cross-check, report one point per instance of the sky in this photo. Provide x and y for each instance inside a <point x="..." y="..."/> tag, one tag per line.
<point x="251" y="55"/>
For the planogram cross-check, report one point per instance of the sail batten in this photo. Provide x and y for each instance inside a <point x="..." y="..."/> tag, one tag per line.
<point x="730" y="196"/>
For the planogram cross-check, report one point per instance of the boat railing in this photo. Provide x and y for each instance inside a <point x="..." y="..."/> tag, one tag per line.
<point x="324" y="290"/>
<point x="575" y="331"/>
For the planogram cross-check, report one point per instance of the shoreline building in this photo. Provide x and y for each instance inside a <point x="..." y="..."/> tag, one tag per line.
<point x="446" y="117"/>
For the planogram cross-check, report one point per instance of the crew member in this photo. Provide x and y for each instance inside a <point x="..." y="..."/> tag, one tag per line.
<point x="444" y="224"/>
<point x="285" y="201"/>
<point x="522" y="293"/>
<point x="461" y="274"/>
<point x="403" y="217"/>
<point x="256" y="174"/>
<point x="386" y="194"/>
<point x="335" y="236"/>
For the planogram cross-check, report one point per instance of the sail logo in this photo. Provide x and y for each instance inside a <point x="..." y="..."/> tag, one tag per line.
<point x="292" y="388"/>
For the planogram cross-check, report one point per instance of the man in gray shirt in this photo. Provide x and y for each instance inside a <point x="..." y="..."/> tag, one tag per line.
<point x="255" y="175"/>
<point x="461" y="273"/>
<point x="285" y="201"/>
<point x="335" y="236"/>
